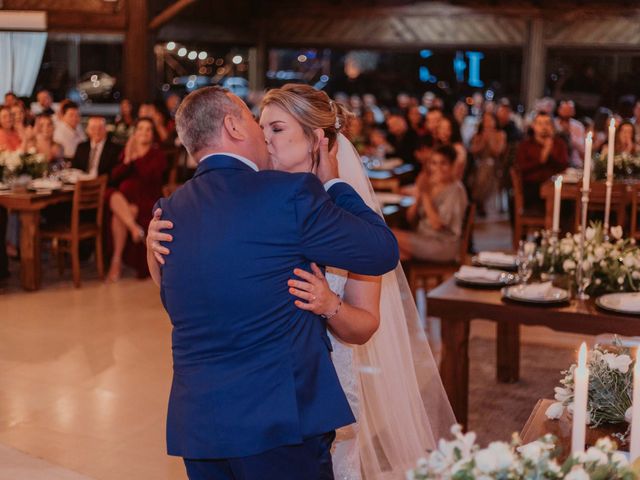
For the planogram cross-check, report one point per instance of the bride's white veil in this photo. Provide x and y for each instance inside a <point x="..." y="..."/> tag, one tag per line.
<point x="404" y="409"/>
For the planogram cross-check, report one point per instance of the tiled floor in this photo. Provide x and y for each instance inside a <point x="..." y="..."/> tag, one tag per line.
<point x="84" y="378"/>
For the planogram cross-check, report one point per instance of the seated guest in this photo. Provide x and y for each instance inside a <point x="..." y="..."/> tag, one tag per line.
<point x="416" y="121"/>
<point x="441" y="202"/>
<point x="448" y="133"/>
<point x="40" y="138"/>
<point x="139" y="179"/>
<point x="44" y="103"/>
<point x="67" y="132"/>
<point x="149" y="110"/>
<point x="539" y="157"/>
<point x="401" y="138"/>
<point x="124" y="122"/>
<point x="9" y="138"/>
<point x="99" y="155"/>
<point x="571" y="131"/>
<point x="20" y="120"/>
<point x="432" y="120"/>
<point x="10" y="99"/>
<point x="625" y="141"/>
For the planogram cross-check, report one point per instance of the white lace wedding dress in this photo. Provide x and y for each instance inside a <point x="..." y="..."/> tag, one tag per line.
<point x="346" y="457"/>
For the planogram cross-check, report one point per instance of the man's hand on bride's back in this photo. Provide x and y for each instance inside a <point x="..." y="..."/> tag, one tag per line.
<point x="328" y="164"/>
<point x="155" y="236"/>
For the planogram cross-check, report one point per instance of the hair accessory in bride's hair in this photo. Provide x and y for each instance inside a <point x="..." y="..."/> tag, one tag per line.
<point x="334" y="109"/>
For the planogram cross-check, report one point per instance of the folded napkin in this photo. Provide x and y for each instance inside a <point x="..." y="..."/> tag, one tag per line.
<point x="630" y="302"/>
<point x="536" y="290"/>
<point x="479" y="273"/>
<point x="496" y="258"/>
<point x="45" y="183"/>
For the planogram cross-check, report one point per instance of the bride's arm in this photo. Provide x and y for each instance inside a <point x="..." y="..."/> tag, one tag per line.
<point x="155" y="251"/>
<point x="355" y="318"/>
<point x="359" y="317"/>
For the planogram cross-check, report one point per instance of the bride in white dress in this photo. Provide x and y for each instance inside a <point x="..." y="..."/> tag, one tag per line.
<point x="391" y="381"/>
<point x="380" y="350"/>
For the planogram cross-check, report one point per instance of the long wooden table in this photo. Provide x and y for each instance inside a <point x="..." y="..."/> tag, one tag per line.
<point x="28" y="205"/>
<point x="458" y="306"/>
<point x="539" y="425"/>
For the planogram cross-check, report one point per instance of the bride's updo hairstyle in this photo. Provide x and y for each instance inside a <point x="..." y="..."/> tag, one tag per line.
<point x="312" y="109"/>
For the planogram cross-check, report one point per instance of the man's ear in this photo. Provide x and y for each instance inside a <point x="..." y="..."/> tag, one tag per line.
<point x="232" y="126"/>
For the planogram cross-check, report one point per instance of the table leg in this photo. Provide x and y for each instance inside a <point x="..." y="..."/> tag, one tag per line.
<point x="30" y="249"/>
<point x="454" y="368"/>
<point x="508" y="351"/>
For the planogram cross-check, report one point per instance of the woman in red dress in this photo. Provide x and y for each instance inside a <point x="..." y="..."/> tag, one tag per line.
<point x="139" y="179"/>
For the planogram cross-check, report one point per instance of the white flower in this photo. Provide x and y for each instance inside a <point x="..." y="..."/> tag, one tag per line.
<point x="627" y="414"/>
<point x="586" y="265"/>
<point x="568" y="265"/>
<point x="605" y="444"/>
<point x="599" y="252"/>
<point x="618" y="362"/>
<point x="616" y="232"/>
<point x="497" y="456"/>
<point x="590" y="233"/>
<point x="566" y="247"/>
<point x="531" y="451"/>
<point x="629" y="261"/>
<point x="562" y="394"/>
<point x="620" y="280"/>
<point x="620" y="459"/>
<point x="635" y="274"/>
<point x="596" y="456"/>
<point x="554" y="411"/>
<point x="603" y="264"/>
<point x="554" y="467"/>
<point x="577" y="473"/>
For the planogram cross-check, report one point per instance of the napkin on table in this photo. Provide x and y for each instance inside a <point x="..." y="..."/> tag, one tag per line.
<point x="479" y="273"/>
<point x="536" y="290"/>
<point x="497" y="258"/>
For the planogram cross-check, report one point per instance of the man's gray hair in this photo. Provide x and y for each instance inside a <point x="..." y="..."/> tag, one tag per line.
<point x="200" y="117"/>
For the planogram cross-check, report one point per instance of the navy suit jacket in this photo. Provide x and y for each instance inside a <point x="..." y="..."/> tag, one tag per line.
<point x="252" y="371"/>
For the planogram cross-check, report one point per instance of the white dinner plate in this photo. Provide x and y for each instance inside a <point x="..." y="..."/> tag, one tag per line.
<point x="518" y="293"/>
<point x="628" y="303"/>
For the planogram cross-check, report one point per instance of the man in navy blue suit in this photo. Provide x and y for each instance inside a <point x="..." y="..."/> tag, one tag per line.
<point x="254" y="393"/>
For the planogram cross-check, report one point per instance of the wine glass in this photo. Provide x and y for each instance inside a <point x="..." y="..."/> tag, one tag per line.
<point x="525" y="261"/>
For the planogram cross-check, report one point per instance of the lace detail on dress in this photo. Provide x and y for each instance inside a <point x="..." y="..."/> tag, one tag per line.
<point x="346" y="459"/>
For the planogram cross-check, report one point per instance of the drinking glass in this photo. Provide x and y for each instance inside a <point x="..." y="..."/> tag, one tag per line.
<point x="525" y="261"/>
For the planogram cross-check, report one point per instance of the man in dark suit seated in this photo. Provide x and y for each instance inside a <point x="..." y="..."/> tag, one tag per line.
<point x="98" y="155"/>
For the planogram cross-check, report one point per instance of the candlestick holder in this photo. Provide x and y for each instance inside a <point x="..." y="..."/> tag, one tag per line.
<point x="607" y="205"/>
<point x="582" y="294"/>
<point x="554" y="251"/>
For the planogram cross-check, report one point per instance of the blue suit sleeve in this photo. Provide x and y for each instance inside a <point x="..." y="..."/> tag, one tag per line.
<point x="340" y="230"/>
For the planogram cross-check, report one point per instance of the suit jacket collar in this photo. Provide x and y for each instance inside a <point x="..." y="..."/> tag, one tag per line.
<point x="219" y="161"/>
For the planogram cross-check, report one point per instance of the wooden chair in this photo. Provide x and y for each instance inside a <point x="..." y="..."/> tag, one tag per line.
<point x="522" y="221"/>
<point x="597" y="197"/>
<point x="419" y="271"/>
<point x="634" y="194"/>
<point x="88" y="199"/>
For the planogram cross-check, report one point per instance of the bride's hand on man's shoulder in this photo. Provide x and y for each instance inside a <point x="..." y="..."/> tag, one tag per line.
<point x="314" y="289"/>
<point x="328" y="161"/>
<point x="155" y="236"/>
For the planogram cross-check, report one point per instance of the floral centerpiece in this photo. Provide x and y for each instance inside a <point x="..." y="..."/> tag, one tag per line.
<point x="462" y="459"/>
<point x="610" y="387"/>
<point x="612" y="265"/>
<point x="15" y="164"/>
<point x="625" y="166"/>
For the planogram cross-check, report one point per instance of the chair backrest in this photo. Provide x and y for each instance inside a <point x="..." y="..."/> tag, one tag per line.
<point x="635" y="197"/>
<point x="518" y="195"/>
<point x="88" y="195"/>
<point x="467" y="230"/>
<point x="598" y="193"/>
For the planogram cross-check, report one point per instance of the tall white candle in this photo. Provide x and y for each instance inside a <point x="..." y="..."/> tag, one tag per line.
<point x="586" y="177"/>
<point x="556" y="203"/>
<point x="580" y="395"/>
<point x="610" y="150"/>
<point x="635" y="412"/>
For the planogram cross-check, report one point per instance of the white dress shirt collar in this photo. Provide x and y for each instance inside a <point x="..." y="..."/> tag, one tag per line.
<point x="244" y="160"/>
